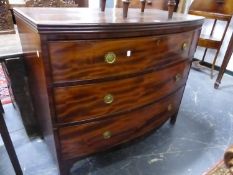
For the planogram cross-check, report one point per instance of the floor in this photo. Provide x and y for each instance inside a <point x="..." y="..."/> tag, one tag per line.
<point x="203" y="131"/>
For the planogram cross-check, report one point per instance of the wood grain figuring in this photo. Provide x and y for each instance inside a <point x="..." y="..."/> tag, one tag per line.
<point x="86" y="105"/>
<point x="87" y="58"/>
<point x="85" y="139"/>
<point x="77" y="103"/>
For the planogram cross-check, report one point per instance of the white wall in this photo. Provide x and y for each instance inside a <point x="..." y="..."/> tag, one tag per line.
<point x="94" y="3"/>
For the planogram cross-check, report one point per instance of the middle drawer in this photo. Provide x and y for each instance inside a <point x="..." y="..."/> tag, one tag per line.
<point x="89" y="101"/>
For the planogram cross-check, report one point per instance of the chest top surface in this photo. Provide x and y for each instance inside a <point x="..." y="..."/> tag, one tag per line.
<point x="76" y="18"/>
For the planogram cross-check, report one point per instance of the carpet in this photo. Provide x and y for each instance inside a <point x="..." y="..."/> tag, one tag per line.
<point x="4" y="92"/>
<point x="219" y="169"/>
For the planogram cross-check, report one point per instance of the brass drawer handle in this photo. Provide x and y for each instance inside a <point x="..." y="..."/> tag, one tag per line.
<point x="107" y="135"/>
<point x="108" y="99"/>
<point x="169" y="108"/>
<point x="110" y="58"/>
<point x="178" y="77"/>
<point x="184" y="46"/>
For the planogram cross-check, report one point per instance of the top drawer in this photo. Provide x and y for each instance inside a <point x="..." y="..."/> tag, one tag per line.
<point x="94" y="59"/>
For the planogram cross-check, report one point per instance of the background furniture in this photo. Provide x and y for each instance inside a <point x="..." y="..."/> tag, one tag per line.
<point x="216" y="10"/>
<point x="6" y="22"/>
<point x="228" y="158"/>
<point x="155" y="4"/>
<point x="16" y="76"/>
<point x="50" y="3"/>
<point x="120" y="80"/>
<point x="11" y="58"/>
<point x="8" y="143"/>
<point x="225" y="62"/>
<point x="22" y="3"/>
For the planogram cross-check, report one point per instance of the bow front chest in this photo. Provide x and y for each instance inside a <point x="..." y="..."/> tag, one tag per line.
<point x="99" y="80"/>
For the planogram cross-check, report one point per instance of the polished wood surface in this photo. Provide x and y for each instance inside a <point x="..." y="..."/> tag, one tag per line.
<point x="120" y="128"/>
<point x="216" y="10"/>
<point x="78" y="103"/>
<point x="225" y="62"/>
<point x="132" y="56"/>
<point x="64" y="20"/>
<point x="90" y="92"/>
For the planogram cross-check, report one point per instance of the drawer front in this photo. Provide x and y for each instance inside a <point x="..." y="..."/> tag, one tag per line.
<point x="91" y="101"/>
<point x="85" y="60"/>
<point x="84" y="139"/>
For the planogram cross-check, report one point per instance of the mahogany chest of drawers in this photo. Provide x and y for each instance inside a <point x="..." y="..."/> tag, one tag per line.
<point x="98" y="80"/>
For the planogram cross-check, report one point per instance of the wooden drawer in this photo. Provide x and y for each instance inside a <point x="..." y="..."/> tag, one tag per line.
<point x="84" y="60"/>
<point x="82" y="140"/>
<point x="91" y="101"/>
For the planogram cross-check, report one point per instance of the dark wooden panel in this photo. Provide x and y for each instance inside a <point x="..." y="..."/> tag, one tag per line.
<point x="15" y="73"/>
<point x="85" y="139"/>
<point x="81" y="60"/>
<point x="77" y="103"/>
<point x="37" y="79"/>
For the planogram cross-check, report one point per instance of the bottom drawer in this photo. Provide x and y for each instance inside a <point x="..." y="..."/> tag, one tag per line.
<point x="85" y="139"/>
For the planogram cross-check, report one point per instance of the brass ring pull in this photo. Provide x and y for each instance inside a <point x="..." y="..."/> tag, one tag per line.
<point x="110" y="57"/>
<point x="107" y="135"/>
<point x="184" y="46"/>
<point x="178" y="77"/>
<point x="108" y="99"/>
<point x="169" y="108"/>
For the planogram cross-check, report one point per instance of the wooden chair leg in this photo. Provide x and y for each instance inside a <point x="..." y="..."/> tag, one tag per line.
<point x="203" y="57"/>
<point x="173" y="118"/>
<point x="9" y="146"/>
<point x="225" y="62"/>
<point x="1" y="108"/>
<point x="213" y="65"/>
